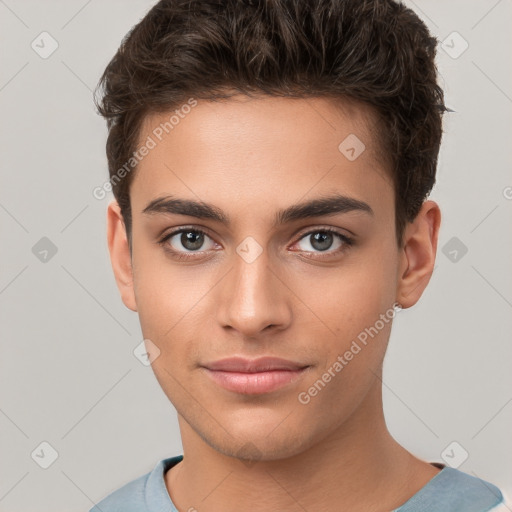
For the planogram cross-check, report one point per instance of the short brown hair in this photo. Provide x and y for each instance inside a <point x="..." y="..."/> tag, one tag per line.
<point x="375" y="51"/>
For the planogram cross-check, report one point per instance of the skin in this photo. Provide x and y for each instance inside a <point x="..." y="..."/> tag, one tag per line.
<point x="251" y="158"/>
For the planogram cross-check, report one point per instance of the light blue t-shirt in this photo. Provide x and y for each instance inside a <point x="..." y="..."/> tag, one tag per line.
<point x="450" y="490"/>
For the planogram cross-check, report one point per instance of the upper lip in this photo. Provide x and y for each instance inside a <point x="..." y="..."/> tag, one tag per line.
<point x="262" y="364"/>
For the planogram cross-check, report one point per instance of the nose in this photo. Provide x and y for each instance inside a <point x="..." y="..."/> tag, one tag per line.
<point x="253" y="298"/>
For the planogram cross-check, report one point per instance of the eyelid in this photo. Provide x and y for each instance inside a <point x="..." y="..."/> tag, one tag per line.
<point x="314" y="228"/>
<point x="319" y="228"/>
<point x="181" y="229"/>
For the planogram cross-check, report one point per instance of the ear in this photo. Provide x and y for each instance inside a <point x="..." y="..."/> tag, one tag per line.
<point x="418" y="254"/>
<point x="120" y="256"/>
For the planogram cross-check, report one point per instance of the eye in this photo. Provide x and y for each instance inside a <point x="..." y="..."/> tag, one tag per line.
<point x="187" y="240"/>
<point x="186" y="243"/>
<point x="324" y="240"/>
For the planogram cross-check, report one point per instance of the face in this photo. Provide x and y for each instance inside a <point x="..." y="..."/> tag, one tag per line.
<point x="262" y="251"/>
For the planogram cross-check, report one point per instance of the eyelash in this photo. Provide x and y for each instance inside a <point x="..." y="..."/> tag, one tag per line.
<point x="347" y="242"/>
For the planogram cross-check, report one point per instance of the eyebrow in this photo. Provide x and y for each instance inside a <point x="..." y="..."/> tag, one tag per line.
<point x="330" y="205"/>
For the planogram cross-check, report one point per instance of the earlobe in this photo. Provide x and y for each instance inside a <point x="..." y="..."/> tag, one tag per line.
<point x="418" y="254"/>
<point x="120" y="256"/>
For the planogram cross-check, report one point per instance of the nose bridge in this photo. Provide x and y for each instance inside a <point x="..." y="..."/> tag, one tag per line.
<point x="253" y="297"/>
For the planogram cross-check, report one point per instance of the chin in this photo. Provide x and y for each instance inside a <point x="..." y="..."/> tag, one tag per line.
<point x="260" y="441"/>
<point x="251" y="450"/>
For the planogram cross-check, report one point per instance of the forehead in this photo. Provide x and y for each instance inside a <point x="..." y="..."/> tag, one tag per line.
<point x="262" y="152"/>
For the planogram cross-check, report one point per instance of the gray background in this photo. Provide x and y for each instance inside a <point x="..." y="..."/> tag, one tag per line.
<point x="68" y="375"/>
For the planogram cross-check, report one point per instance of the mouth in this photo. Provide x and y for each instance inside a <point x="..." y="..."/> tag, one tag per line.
<point x="253" y="377"/>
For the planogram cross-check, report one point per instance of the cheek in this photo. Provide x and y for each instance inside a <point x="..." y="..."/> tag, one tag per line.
<point x="166" y="315"/>
<point x="167" y="298"/>
<point x="171" y="313"/>
<point x="350" y="298"/>
<point x="154" y="302"/>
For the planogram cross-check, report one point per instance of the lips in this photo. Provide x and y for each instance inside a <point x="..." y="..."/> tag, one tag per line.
<point x="262" y="364"/>
<point x="257" y="376"/>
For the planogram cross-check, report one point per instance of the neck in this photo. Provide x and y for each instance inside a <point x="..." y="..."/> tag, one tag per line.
<point x="359" y="464"/>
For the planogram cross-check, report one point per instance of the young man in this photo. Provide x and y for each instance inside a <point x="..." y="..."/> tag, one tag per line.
<point x="270" y="163"/>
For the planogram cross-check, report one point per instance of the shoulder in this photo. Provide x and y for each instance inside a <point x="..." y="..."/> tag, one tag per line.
<point x="141" y="494"/>
<point x="452" y="490"/>
<point x="130" y="497"/>
<point x="458" y="489"/>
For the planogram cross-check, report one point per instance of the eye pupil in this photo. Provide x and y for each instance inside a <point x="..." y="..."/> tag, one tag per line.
<point x="192" y="240"/>
<point x="321" y="240"/>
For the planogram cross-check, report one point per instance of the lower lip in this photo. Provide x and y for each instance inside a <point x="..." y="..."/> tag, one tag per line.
<point x="254" y="383"/>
